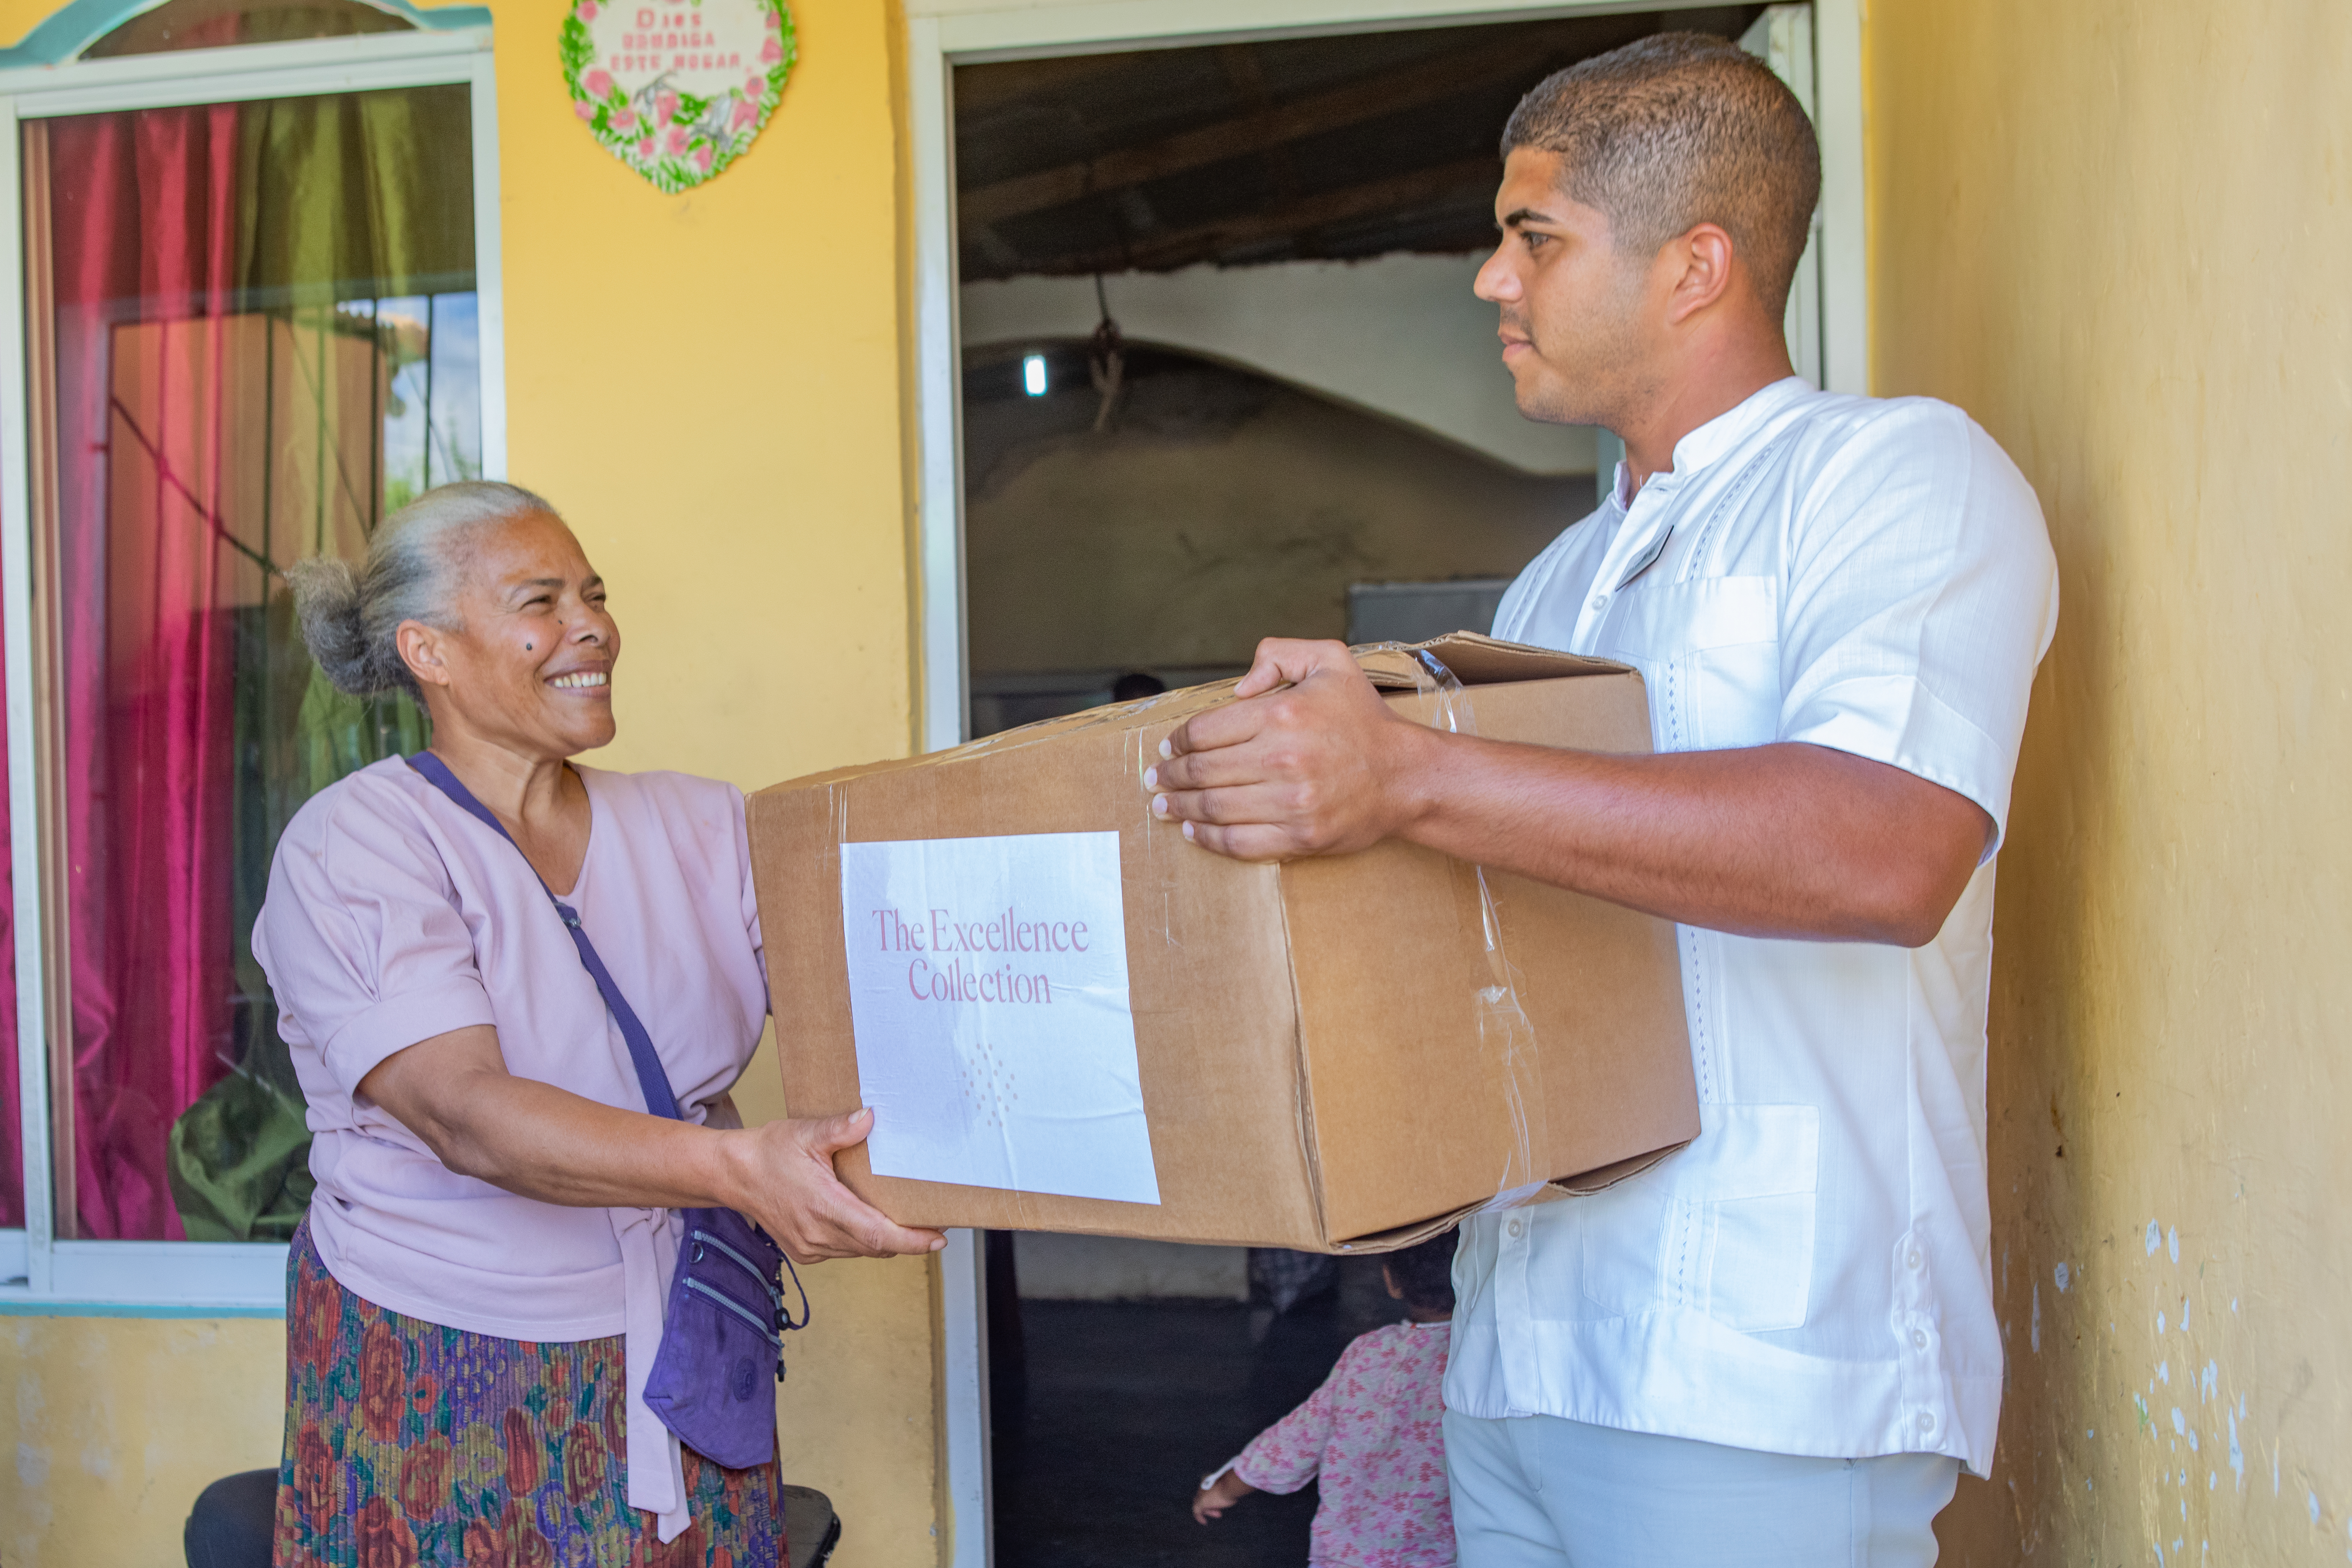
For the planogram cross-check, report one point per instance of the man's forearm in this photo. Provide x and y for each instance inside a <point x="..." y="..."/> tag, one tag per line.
<point x="1786" y="840"/>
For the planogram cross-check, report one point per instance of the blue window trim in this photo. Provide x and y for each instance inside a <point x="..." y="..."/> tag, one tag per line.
<point x="47" y="1307"/>
<point x="62" y="34"/>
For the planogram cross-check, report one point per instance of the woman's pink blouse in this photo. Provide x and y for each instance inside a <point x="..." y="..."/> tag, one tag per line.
<point x="393" y="917"/>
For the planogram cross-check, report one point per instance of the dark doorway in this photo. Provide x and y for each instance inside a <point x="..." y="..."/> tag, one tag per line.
<point x="1138" y="504"/>
<point x="1128" y="1403"/>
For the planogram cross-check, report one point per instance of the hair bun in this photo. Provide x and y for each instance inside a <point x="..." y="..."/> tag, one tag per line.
<point x="326" y="603"/>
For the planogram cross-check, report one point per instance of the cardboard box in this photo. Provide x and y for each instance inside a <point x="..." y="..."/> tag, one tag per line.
<point x="1328" y="1055"/>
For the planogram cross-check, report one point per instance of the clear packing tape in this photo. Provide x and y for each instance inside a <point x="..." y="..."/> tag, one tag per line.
<point x="1507" y="1039"/>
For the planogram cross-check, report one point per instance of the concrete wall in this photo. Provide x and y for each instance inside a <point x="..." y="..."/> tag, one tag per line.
<point x="2115" y="233"/>
<point x="1117" y="1269"/>
<point x="1223" y="509"/>
<point x="1400" y="335"/>
<point x="711" y="386"/>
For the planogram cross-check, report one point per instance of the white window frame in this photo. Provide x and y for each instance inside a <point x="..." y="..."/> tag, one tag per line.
<point x="38" y="1272"/>
<point x="944" y="34"/>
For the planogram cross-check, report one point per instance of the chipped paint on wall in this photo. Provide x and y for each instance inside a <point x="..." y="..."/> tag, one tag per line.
<point x="2105" y="229"/>
<point x="120" y="1421"/>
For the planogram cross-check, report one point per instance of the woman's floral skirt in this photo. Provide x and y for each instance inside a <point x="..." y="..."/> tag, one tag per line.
<point x="413" y="1445"/>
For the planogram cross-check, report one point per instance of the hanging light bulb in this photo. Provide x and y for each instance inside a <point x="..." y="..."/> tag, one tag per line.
<point x="1105" y="361"/>
<point x="1033" y="375"/>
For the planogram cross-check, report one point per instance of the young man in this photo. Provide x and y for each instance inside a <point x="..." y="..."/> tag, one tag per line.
<point x="1778" y="1346"/>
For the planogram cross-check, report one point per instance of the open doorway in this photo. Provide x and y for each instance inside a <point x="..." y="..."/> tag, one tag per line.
<point x="1221" y="375"/>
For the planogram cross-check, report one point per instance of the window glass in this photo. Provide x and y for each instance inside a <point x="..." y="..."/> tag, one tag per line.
<point x="261" y="340"/>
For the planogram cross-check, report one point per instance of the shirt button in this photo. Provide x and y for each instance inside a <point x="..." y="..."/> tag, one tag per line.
<point x="1926" y="1421"/>
<point x="1600" y="600"/>
<point x="1919" y="1338"/>
<point x="1516" y="1227"/>
<point x="1912" y="1257"/>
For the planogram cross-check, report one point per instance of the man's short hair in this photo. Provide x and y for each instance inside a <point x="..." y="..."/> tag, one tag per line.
<point x="1676" y="129"/>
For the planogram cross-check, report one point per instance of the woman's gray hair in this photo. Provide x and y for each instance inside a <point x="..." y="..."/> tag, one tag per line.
<point x="351" y="617"/>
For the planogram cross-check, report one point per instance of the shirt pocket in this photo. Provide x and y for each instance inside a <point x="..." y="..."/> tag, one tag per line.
<point x="1724" y="1227"/>
<point x="1709" y="651"/>
<point x="1758" y="1239"/>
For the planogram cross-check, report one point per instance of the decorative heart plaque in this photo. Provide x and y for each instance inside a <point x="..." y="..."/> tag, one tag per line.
<point x="677" y="90"/>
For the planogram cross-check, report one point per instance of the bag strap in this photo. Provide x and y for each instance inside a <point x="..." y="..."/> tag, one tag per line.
<point x="651" y="1078"/>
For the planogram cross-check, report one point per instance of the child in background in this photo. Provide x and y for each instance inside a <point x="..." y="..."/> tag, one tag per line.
<point x="1373" y="1432"/>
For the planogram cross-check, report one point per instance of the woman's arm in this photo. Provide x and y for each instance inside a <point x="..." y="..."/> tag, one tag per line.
<point x="455" y="1093"/>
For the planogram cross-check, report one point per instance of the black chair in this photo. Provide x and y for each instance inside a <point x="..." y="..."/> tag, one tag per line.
<point x="231" y="1525"/>
<point x="811" y="1527"/>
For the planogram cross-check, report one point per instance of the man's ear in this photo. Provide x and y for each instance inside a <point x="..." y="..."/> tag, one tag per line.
<point x="1699" y="262"/>
<point x="421" y="649"/>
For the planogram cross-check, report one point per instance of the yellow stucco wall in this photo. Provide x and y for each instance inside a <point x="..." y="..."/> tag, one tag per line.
<point x="2115" y="233"/>
<point x="112" y="1425"/>
<point x="711" y="386"/>
<point x="2112" y="232"/>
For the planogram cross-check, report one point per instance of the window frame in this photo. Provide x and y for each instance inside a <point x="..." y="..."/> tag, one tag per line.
<point x="39" y="1273"/>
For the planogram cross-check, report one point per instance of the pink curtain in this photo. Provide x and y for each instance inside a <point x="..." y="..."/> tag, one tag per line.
<point x="145" y="215"/>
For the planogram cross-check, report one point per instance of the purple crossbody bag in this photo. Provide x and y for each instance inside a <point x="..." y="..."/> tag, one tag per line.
<point x="713" y="1382"/>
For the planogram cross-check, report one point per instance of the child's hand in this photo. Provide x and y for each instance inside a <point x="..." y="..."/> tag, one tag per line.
<point x="1210" y="1502"/>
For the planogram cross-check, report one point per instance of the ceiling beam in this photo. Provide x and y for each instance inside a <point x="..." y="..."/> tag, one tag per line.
<point x="1201" y="242"/>
<point x="1431" y="81"/>
<point x="1248" y="80"/>
<point x="981" y="89"/>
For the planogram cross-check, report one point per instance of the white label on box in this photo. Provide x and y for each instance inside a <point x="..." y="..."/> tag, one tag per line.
<point x="987" y="991"/>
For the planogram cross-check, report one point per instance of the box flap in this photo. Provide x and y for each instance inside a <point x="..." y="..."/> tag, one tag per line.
<point x="1583" y="1186"/>
<point x="1608" y="1176"/>
<point x="1476" y="660"/>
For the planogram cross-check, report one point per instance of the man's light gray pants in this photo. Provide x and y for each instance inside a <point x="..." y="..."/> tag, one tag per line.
<point x="1539" y="1492"/>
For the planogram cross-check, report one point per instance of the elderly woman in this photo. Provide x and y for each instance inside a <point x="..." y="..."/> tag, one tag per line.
<point x="476" y="1297"/>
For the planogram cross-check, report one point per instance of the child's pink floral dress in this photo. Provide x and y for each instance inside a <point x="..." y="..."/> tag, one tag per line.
<point x="1374" y="1431"/>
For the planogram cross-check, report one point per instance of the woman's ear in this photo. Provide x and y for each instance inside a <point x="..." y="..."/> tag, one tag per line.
<point x="1389" y="1279"/>
<point x="421" y="649"/>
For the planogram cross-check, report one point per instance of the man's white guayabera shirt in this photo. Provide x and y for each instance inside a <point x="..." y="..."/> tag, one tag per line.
<point x="1812" y="1274"/>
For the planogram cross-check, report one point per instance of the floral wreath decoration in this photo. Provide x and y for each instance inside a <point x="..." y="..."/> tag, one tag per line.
<point x="677" y="90"/>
